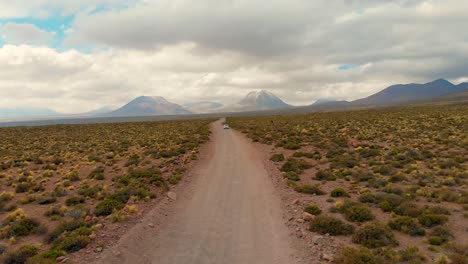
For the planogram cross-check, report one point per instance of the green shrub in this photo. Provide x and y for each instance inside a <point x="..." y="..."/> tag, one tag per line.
<point x="430" y="220"/>
<point x="295" y="165"/>
<point x="66" y="225"/>
<point x="71" y="242"/>
<point x="74" y="201"/>
<point x="292" y="176"/>
<point x="329" y="225"/>
<point x="360" y="255"/>
<point x="358" y="213"/>
<point x="175" y="178"/>
<point x="106" y="207"/>
<point x="325" y="175"/>
<point x="97" y="173"/>
<point x="354" y="211"/>
<point x="38" y="259"/>
<point x="437" y="210"/>
<point x="22" y="227"/>
<point x="407" y="225"/>
<point x="368" y="198"/>
<point x="436" y="241"/>
<point x="277" y="157"/>
<point x="21" y="255"/>
<point x="408" y="209"/>
<point x="374" y="235"/>
<point x="312" y="209"/>
<point x="135" y="159"/>
<point x="439" y="235"/>
<point x="90" y="192"/>
<point x="46" y="200"/>
<point x="339" y="192"/>
<point x="309" y="189"/>
<point x="53" y="254"/>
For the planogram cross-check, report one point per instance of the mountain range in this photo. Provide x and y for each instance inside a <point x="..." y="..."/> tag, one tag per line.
<point x="260" y="100"/>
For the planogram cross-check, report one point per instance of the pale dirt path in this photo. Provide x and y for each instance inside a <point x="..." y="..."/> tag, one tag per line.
<point x="230" y="215"/>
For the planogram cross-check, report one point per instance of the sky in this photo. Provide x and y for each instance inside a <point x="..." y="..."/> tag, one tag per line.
<point x="76" y="56"/>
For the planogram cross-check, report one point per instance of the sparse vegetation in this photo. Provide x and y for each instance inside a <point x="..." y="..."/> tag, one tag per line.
<point x="403" y="162"/>
<point x="329" y="225"/>
<point x="96" y="168"/>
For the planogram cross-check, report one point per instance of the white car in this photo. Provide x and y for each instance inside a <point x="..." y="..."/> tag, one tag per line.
<point x="226" y="126"/>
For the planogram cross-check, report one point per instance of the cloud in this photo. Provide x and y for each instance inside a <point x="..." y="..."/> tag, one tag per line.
<point x="221" y="49"/>
<point x="13" y="33"/>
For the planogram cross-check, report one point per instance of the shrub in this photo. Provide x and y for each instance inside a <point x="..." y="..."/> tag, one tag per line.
<point x="277" y="157"/>
<point x="329" y="225"/>
<point x="312" y="209"/>
<point x="339" y="192"/>
<point x="374" y="235"/>
<point x="437" y="210"/>
<point x="38" y="259"/>
<point x="74" y="200"/>
<point x="135" y="159"/>
<point x="97" y="173"/>
<point x="53" y="254"/>
<point x="21" y="255"/>
<point x="292" y="176"/>
<point x="358" y="213"/>
<point x="23" y="227"/>
<point x="407" y="225"/>
<point x="309" y="189"/>
<point x="106" y="207"/>
<point x="353" y="211"/>
<point x="436" y="241"/>
<point x="66" y="225"/>
<point x="175" y="178"/>
<point x="408" y="209"/>
<point x="90" y="192"/>
<point x="46" y="200"/>
<point x="430" y="220"/>
<point x="295" y="165"/>
<point x="325" y="175"/>
<point x="439" y="235"/>
<point x="360" y="255"/>
<point x="72" y="242"/>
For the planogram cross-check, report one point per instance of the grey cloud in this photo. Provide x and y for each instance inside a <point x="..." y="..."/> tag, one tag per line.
<point x="220" y="50"/>
<point x="14" y="33"/>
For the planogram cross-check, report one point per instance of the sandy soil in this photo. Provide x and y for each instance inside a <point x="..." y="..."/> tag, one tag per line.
<point x="228" y="212"/>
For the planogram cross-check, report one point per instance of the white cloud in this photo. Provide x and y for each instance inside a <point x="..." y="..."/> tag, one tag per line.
<point x="13" y="33"/>
<point x="219" y="50"/>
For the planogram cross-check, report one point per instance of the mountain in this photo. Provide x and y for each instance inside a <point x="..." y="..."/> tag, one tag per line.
<point x="99" y="111"/>
<point x="410" y="92"/>
<point x="202" y="107"/>
<point x="149" y="105"/>
<point x="458" y="96"/>
<point x="257" y="101"/>
<point x="26" y="112"/>
<point x="324" y="101"/>
<point x="463" y="86"/>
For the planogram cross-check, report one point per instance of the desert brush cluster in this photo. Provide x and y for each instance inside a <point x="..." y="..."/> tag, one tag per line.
<point x="392" y="182"/>
<point x="59" y="184"/>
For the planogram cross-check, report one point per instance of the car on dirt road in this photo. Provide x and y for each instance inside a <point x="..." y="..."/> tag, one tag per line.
<point x="226" y="126"/>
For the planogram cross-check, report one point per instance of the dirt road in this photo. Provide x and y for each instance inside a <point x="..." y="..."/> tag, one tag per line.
<point x="230" y="215"/>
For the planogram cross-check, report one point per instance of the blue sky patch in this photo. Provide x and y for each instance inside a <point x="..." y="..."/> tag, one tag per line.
<point x="345" y="67"/>
<point x="55" y="23"/>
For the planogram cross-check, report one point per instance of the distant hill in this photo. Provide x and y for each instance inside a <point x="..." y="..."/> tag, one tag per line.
<point x="99" y="111"/>
<point x="323" y="101"/>
<point x="258" y="101"/>
<point x="27" y="112"/>
<point x="149" y="105"/>
<point x="202" y="107"/>
<point x="461" y="95"/>
<point x="410" y="92"/>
